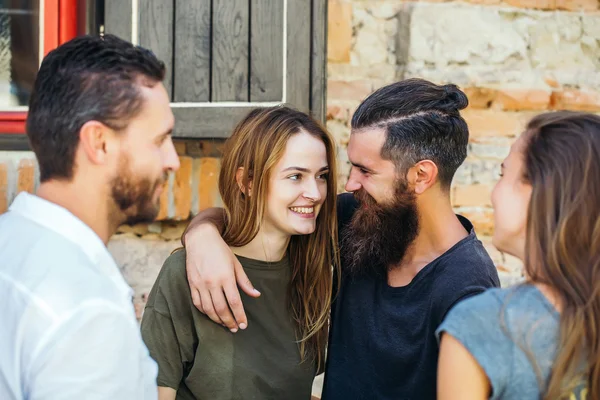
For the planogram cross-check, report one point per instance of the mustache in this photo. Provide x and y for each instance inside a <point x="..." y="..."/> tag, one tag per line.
<point x="365" y="199"/>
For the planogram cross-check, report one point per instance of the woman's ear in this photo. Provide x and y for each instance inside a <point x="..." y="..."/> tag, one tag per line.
<point x="239" y="177"/>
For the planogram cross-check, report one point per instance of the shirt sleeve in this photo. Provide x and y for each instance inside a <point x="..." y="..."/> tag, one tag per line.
<point x="95" y="353"/>
<point x="158" y="332"/>
<point x="477" y="324"/>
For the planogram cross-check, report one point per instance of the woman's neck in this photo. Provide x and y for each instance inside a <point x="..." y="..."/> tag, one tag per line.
<point x="266" y="246"/>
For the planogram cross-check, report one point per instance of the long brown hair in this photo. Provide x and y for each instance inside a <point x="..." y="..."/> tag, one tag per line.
<point x="257" y="144"/>
<point x="562" y="163"/>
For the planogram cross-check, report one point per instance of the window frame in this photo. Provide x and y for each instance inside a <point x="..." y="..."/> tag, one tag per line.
<point x="59" y="25"/>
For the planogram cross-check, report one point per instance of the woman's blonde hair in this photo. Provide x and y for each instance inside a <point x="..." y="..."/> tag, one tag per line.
<point x="257" y="144"/>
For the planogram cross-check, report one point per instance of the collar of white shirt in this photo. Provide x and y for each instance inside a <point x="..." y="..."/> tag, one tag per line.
<point x="59" y="220"/>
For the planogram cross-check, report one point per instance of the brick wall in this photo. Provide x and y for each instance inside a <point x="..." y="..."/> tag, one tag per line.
<point x="141" y="249"/>
<point x="513" y="58"/>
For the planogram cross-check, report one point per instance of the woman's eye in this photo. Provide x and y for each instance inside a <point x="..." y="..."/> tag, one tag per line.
<point x="294" y="177"/>
<point x="324" y="176"/>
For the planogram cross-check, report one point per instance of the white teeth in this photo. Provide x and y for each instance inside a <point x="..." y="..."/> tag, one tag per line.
<point x="303" y="210"/>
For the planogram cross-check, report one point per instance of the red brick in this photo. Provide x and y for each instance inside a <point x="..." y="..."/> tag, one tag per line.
<point x="480" y="97"/>
<point x="180" y="147"/>
<point x="537" y="4"/>
<point x="521" y="99"/>
<point x="552" y="82"/>
<point x="485" y="2"/>
<point x="26" y="176"/>
<point x="164" y="203"/>
<point x="348" y="90"/>
<point x="3" y="187"/>
<point x="569" y="5"/>
<point x="477" y="195"/>
<point x="337" y="112"/>
<point x="182" y="189"/>
<point x="339" y="31"/>
<point x="208" y="190"/>
<point x="483" y="221"/>
<point x="493" y="123"/>
<point x="577" y="5"/>
<point x="576" y="100"/>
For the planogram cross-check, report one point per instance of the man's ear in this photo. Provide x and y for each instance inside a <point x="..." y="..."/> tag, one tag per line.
<point x="422" y="175"/>
<point x="96" y="141"/>
<point x="239" y="177"/>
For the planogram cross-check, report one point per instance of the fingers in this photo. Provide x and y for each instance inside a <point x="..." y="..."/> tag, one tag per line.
<point x="244" y="282"/>
<point x="235" y="304"/>
<point x="208" y="307"/>
<point x="196" y="299"/>
<point x="222" y="310"/>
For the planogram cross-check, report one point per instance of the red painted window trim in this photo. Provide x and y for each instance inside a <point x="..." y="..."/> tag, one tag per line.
<point x="60" y="25"/>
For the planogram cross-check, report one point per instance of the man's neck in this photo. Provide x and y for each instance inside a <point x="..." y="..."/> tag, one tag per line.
<point x="266" y="246"/>
<point x="439" y="230"/>
<point x="87" y="205"/>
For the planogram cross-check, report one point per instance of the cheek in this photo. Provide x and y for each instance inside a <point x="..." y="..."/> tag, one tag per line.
<point x="510" y="209"/>
<point x="280" y="197"/>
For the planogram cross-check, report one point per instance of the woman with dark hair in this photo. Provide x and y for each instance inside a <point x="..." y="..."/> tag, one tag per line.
<point x="277" y="183"/>
<point x="540" y="339"/>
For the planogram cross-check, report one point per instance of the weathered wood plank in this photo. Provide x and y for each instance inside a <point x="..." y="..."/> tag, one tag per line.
<point x="318" y="98"/>
<point x="191" y="81"/>
<point x="266" y="50"/>
<point x="118" y="18"/>
<point x="156" y="33"/>
<point x="298" y="54"/>
<point x="230" y="50"/>
<point x="207" y="122"/>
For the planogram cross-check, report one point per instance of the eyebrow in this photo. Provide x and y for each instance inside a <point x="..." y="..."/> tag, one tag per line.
<point x="357" y="165"/>
<point x="302" y="169"/>
<point x="167" y="133"/>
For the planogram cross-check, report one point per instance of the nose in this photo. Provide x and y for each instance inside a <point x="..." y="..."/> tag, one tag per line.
<point x="171" y="159"/>
<point x="312" y="190"/>
<point x="353" y="183"/>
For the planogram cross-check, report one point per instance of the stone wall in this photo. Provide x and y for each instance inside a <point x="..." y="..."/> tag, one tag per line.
<point x="513" y="58"/>
<point x="141" y="249"/>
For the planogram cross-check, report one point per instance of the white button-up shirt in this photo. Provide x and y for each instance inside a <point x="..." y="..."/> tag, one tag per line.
<point x="67" y="324"/>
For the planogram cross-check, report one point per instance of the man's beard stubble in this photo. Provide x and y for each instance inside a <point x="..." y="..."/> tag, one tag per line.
<point x="134" y="196"/>
<point x="379" y="235"/>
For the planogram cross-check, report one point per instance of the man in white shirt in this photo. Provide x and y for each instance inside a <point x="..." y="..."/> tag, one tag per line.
<point x="100" y="125"/>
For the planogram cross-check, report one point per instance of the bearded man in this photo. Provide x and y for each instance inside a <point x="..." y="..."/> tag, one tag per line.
<point x="407" y="258"/>
<point x="100" y="125"/>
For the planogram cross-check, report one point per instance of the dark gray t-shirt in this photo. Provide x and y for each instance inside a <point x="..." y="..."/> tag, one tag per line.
<point x="498" y="327"/>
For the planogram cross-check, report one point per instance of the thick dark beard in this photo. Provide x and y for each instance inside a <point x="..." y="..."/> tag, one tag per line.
<point x="134" y="197"/>
<point x="378" y="235"/>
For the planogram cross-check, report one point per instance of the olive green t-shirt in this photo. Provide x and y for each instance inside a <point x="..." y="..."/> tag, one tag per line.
<point x="203" y="360"/>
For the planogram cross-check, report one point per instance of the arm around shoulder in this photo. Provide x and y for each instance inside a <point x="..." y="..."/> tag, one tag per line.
<point x="214" y="272"/>
<point x="209" y="218"/>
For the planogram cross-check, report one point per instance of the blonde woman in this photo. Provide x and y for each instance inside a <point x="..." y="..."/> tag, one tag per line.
<point x="277" y="183"/>
<point x="541" y="339"/>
